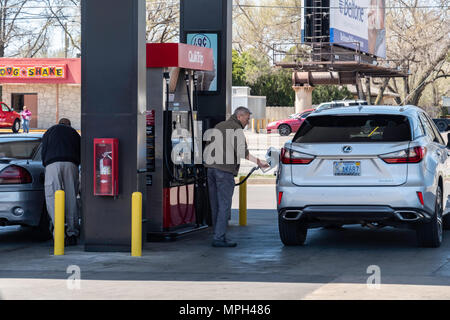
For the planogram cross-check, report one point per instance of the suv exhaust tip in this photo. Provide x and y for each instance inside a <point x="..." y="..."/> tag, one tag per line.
<point x="292" y="214"/>
<point x="408" y="216"/>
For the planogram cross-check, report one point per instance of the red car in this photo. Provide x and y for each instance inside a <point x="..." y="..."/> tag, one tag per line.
<point x="291" y="124"/>
<point x="9" y="118"/>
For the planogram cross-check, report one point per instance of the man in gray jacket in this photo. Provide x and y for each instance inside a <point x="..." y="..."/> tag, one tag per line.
<point x="223" y="164"/>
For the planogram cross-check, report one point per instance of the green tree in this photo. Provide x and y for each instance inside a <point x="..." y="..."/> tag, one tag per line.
<point x="254" y="71"/>
<point x="276" y="86"/>
<point x="325" y="93"/>
<point x="248" y="66"/>
<point x="238" y="73"/>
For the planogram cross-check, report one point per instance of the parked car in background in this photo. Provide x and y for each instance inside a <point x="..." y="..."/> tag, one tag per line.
<point x="341" y="103"/>
<point x="376" y="166"/>
<point x="22" y="196"/>
<point x="286" y="126"/>
<point x="9" y="118"/>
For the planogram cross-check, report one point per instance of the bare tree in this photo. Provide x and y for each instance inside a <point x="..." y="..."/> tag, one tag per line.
<point x="419" y="40"/>
<point x="26" y="26"/>
<point x="66" y="15"/>
<point x="262" y="27"/>
<point x="12" y="27"/>
<point x="163" y="21"/>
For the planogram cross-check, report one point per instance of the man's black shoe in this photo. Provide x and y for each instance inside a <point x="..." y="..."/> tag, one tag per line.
<point x="224" y="244"/>
<point x="70" y="241"/>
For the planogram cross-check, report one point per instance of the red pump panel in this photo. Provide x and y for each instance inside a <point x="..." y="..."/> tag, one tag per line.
<point x="178" y="206"/>
<point x="106" y="167"/>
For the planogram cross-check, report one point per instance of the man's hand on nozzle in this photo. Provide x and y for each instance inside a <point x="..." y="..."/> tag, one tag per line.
<point x="262" y="164"/>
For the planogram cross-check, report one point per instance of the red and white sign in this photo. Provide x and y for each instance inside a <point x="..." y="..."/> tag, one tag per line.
<point x="181" y="55"/>
<point x="33" y="71"/>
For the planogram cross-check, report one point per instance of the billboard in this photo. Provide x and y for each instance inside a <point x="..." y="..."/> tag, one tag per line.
<point x="359" y="22"/>
<point x="207" y="80"/>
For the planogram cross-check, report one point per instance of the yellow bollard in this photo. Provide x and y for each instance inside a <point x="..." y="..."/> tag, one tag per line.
<point x="136" y="224"/>
<point x="257" y="125"/>
<point x="263" y="124"/>
<point x="253" y="125"/>
<point x="59" y="223"/>
<point x="242" y="202"/>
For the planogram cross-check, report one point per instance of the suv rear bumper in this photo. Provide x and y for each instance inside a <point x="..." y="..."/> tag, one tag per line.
<point x="404" y="196"/>
<point x="355" y="214"/>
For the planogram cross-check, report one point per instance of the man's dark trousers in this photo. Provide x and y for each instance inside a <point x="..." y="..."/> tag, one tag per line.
<point x="221" y="188"/>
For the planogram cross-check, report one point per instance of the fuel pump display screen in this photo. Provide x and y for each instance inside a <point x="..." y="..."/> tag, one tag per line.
<point x="150" y="117"/>
<point x="207" y="80"/>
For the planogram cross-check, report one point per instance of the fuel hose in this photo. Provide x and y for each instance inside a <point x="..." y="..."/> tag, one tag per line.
<point x="248" y="176"/>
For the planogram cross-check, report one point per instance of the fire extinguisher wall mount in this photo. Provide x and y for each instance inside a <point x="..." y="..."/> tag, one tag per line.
<point x="106" y="167"/>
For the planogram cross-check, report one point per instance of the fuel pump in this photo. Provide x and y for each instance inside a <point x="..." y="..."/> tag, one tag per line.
<point x="175" y="179"/>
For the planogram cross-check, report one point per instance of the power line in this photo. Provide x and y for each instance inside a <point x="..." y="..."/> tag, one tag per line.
<point x="175" y="4"/>
<point x="40" y="16"/>
<point x="37" y="18"/>
<point x="315" y="7"/>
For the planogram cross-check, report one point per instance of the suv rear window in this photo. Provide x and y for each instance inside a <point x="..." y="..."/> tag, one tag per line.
<point x="354" y="128"/>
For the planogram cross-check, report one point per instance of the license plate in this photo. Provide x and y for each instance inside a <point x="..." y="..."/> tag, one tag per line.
<point x="347" y="168"/>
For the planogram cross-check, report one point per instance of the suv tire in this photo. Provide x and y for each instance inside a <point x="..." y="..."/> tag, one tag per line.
<point x="292" y="233"/>
<point x="429" y="234"/>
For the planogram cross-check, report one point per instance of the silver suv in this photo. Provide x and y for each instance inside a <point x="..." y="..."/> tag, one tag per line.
<point x="371" y="165"/>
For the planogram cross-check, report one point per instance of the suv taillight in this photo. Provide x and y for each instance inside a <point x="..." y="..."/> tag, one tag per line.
<point x="15" y="175"/>
<point x="289" y="156"/>
<point x="411" y="155"/>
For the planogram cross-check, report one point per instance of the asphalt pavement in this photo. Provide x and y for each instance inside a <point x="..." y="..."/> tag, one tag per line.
<point x="348" y="263"/>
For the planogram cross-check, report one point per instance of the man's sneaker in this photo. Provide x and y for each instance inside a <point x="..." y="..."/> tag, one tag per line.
<point x="223" y="243"/>
<point x="70" y="241"/>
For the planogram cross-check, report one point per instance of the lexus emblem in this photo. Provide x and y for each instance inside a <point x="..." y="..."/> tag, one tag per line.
<point x="347" y="149"/>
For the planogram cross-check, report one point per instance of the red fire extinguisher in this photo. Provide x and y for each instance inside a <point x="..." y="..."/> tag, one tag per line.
<point x="106" y="173"/>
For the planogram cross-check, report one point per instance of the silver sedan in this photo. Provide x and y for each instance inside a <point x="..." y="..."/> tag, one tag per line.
<point x="22" y="198"/>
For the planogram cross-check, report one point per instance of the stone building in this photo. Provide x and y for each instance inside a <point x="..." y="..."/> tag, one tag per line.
<point x="50" y="88"/>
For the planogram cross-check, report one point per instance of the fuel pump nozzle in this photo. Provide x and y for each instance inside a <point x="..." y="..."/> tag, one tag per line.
<point x="272" y="158"/>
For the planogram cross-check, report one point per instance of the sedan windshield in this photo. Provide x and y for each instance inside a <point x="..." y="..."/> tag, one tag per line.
<point x="18" y="148"/>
